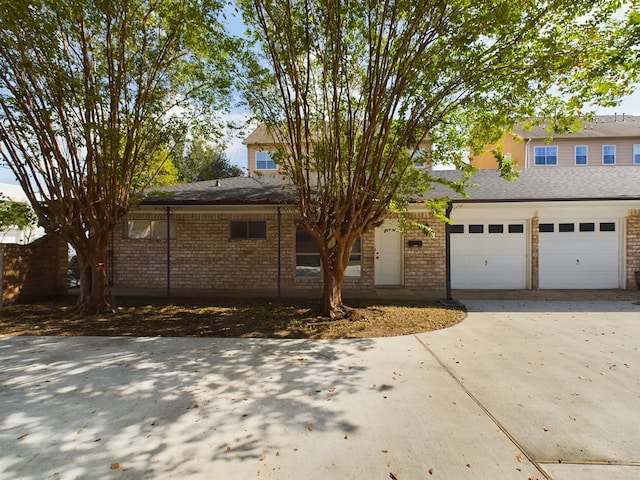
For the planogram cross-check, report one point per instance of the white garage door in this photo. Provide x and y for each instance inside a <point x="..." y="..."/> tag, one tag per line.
<point x="578" y="255"/>
<point x="489" y="256"/>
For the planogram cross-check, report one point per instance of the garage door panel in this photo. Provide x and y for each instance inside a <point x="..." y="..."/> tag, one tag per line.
<point x="488" y="260"/>
<point x="579" y="259"/>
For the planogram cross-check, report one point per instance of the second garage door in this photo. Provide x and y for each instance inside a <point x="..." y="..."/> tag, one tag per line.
<point x="578" y="255"/>
<point x="489" y="255"/>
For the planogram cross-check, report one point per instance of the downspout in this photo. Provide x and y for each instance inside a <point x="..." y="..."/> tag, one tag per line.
<point x="279" y="250"/>
<point x="526" y="153"/>
<point x="448" y="250"/>
<point x="168" y="252"/>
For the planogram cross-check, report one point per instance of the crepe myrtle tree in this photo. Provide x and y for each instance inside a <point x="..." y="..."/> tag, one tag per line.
<point x="352" y="91"/>
<point x="92" y="95"/>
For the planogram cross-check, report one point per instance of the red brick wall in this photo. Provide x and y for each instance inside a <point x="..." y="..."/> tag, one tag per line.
<point x="633" y="248"/>
<point x="34" y="271"/>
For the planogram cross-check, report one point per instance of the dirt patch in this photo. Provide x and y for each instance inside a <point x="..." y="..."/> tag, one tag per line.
<point x="213" y="317"/>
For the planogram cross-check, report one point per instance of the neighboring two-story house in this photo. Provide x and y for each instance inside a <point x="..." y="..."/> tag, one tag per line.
<point x="553" y="228"/>
<point x="603" y="141"/>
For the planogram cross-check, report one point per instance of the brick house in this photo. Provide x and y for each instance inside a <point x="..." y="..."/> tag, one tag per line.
<point x="607" y="140"/>
<point x="551" y="229"/>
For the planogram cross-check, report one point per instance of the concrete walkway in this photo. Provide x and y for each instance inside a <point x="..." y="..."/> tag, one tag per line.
<point x="519" y="390"/>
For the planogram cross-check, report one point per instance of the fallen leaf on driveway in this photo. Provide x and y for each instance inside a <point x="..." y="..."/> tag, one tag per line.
<point x="384" y="451"/>
<point x="22" y="436"/>
<point x="392" y="476"/>
<point x="519" y="458"/>
<point x="545" y="428"/>
<point x="115" y="466"/>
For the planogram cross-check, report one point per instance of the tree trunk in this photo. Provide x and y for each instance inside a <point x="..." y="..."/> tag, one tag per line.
<point x="92" y="299"/>
<point x="334" y="260"/>
<point x="332" y="305"/>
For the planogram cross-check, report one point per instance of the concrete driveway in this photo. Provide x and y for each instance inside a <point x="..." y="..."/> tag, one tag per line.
<point x="519" y="390"/>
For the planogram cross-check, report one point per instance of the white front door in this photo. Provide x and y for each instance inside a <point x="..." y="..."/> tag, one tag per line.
<point x="388" y="251"/>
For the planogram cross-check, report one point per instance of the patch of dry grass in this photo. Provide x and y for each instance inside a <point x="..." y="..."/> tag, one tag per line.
<point x="237" y="317"/>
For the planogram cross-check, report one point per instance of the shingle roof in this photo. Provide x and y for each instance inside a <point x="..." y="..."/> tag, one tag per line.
<point x="228" y="191"/>
<point x="604" y="126"/>
<point x="550" y="183"/>
<point x="534" y="184"/>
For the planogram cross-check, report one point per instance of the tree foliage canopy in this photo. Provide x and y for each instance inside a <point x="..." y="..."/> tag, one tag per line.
<point x="198" y="161"/>
<point x="351" y="91"/>
<point x="91" y="95"/>
<point x="14" y="214"/>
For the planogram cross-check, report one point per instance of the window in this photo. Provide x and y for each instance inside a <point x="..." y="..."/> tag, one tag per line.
<point x="581" y="154"/>
<point x="636" y="154"/>
<point x="516" y="228"/>
<point x="456" y="228"/>
<point x="149" y="229"/>
<point x="588" y="227"/>
<point x="566" y="227"/>
<point x="308" y="258"/>
<point x="420" y="158"/>
<point x="496" y="228"/>
<point x="355" y="260"/>
<point x="476" y="228"/>
<point x="247" y="229"/>
<point x="264" y="161"/>
<point x="608" y="154"/>
<point x="545" y="155"/>
<point x="545" y="227"/>
<point x="608" y="227"/>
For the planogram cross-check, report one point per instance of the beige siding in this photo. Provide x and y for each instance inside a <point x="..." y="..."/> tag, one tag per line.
<point x="566" y="151"/>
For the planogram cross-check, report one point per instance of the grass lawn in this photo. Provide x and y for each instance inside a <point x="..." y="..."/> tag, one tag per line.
<point x="235" y="317"/>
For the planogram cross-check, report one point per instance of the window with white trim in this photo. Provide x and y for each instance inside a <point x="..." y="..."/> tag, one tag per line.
<point x="545" y="155"/>
<point x="636" y="154"/>
<point x="581" y="155"/>
<point x="148" y="229"/>
<point x="265" y="161"/>
<point x="608" y="154"/>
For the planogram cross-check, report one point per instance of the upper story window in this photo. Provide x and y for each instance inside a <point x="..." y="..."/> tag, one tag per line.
<point x="608" y="154"/>
<point x="581" y="156"/>
<point x="545" y="155"/>
<point x="264" y="161"/>
<point x="149" y="229"/>
<point x="636" y="154"/>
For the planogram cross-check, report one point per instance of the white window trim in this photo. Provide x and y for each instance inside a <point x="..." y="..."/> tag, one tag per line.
<point x="270" y="156"/>
<point x="614" y="154"/>
<point x="636" y="147"/>
<point x="545" y="164"/>
<point x="575" y="155"/>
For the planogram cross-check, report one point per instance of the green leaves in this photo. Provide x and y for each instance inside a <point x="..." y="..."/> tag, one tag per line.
<point x="16" y="215"/>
